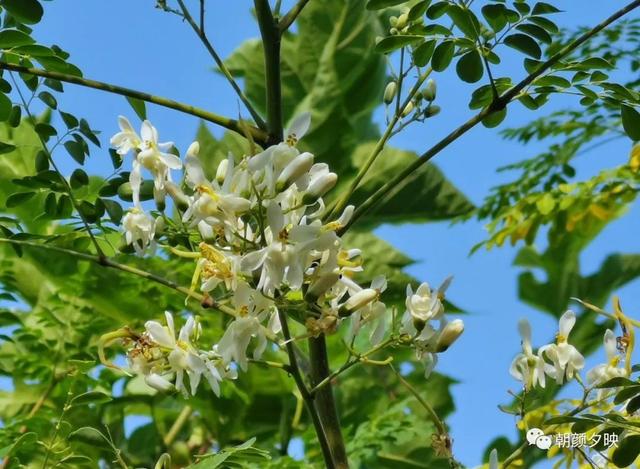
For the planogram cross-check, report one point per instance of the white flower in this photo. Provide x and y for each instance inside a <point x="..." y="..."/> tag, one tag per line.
<point x="565" y="357"/>
<point x="449" y="333"/>
<point x="182" y="355"/>
<point x="212" y="203"/>
<point x="375" y="312"/>
<point x="527" y="367"/>
<point x="606" y="371"/>
<point x="298" y="129"/>
<point x="127" y="139"/>
<point x="139" y="229"/>
<point x="422" y="306"/>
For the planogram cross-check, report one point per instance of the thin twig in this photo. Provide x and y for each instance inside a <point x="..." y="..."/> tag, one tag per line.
<point x="199" y="30"/>
<point x="258" y="135"/>
<point x="288" y="19"/>
<point x="180" y="422"/>
<point x="106" y="262"/>
<point x="396" y="183"/>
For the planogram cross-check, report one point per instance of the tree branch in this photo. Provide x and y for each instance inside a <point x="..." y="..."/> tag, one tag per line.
<point x="324" y="401"/>
<point x="271" y="44"/>
<point x="258" y="135"/>
<point x="288" y="19"/>
<point x="294" y="370"/>
<point x="199" y="30"/>
<point x="396" y="183"/>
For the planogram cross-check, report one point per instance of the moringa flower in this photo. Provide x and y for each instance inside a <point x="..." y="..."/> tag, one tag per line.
<point x="526" y="366"/>
<point x="606" y="371"/>
<point x="565" y="357"/>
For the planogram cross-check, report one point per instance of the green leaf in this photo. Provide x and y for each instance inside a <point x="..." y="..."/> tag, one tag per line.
<point x="89" y="436"/>
<point x="418" y="10"/>
<point x="495" y="118"/>
<point x="12" y="38"/>
<point x="627" y="451"/>
<point x="438" y="9"/>
<point x="6" y="148"/>
<point x="18" y="198"/>
<point x="25" y="11"/>
<point x="469" y="67"/>
<point x="48" y="99"/>
<point x="536" y="31"/>
<point x="542" y="8"/>
<point x="139" y="107"/>
<point x="91" y="397"/>
<point x="633" y="405"/>
<point x="75" y="150"/>
<point x="496" y="16"/>
<point x="631" y="122"/>
<point x="545" y="23"/>
<point x="524" y="43"/>
<point x="379" y="4"/>
<point x="617" y="382"/>
<point x="423" y="53"/>
<point x="427" y="195"/>
<point x="114" y="210"/>
<point x="391" y="43"/>
<point x="443" y="55"/>
<point x="79" y="178"/>
<point x="5" y="107"/>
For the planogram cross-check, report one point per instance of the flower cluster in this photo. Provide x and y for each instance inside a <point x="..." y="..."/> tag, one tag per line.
<point x="561" y="361"/>
<point x="265" y="249"/>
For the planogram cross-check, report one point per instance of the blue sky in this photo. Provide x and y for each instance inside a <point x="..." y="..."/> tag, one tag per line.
<point x="132" y="44"/>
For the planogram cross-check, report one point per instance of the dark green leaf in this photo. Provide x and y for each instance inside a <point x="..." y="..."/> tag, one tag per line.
<point x="6" y="148"/>
<point x="422" y="54"/>
<point x="631" y="122"/>
<point x="633" y="405"/>
<point x="12" y="38"/>
<point x="45" y="130"/>
<point x="48" y="99"/>
<point x="494" y="119"/>
<point x="79" y="178"/>
<point x="542" y="8"/>
<point x="75" y="150"/>
<point x="617" y="383"/>
<point x="495" y="14"/>
<point x="5" y="107"/>
<point x="418" y="10"/>
<point x="69" y="120"/>
<point x="442" y="56"/>
<point x="437" y="10"/>
<point x="138" y="106"/>
<point x="391" y="43"/>
<point x="536" y="31"/>
<point x="379" y="4"/>
<point x="627" y="451"/>
<point x="114" y="210"/>
<point x="15" y="117"/>
<point x="18" y="198"/>
<point x="545" y="23"/>
<point x="524" y="43"/>
<point x="469" y="67"/>
<point x="25" y="11"/>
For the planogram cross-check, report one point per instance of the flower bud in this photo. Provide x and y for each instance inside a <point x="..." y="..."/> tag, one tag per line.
<point x="449" y="335"/>
<point x="181" y="200"/>
<point x="402" y="21"/>
<point x="158" y="382"/>
<point x="158" y="197"/>
<point x="320" y="187"/>
<point x="432" y="111"/>
<point x="159" y="225"/>
<point x="300" y="165"/>
<point x="429" y="91"/>
<point x="221" y="172"/>
<point x="357" y="301"/>
<point x="407" y="109"/>
<point x="393" y="21"/>
<point x="390" y="92"/>
<point x="321" y="285"/>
